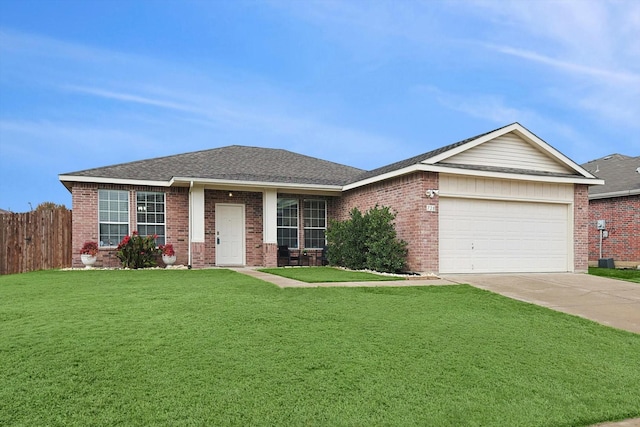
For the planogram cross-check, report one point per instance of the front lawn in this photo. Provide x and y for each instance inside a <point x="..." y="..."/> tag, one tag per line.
<point x="327" y="274"/>
<point x="614" y="273"/>
<point x="214" y="347"/>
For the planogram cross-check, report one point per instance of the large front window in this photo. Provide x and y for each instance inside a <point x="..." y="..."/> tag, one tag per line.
<point x="150" y="213"/>
<point x="113" y="213"/>
<point x="288" y="223"/>
<point x="315" y="223"/>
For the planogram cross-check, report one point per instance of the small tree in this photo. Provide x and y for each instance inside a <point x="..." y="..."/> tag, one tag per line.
<point x="136" y="251"/>
<point x="367" y="241"/>
<point x="49" y="206"/>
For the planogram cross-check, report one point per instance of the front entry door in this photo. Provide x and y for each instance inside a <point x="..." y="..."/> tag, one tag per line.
<point x="229" y="234"/>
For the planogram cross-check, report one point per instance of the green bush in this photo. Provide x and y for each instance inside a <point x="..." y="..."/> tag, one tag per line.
<point x="136" y="251"/>
<point x="367" y="241"/>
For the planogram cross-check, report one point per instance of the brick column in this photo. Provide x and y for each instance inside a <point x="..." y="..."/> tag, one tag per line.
<point x="270" y="254"/>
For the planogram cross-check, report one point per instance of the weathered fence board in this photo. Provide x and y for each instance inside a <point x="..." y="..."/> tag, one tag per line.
<point x="38" y="240"/>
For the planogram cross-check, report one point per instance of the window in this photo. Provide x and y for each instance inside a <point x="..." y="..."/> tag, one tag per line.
<point x="113" y="216"/>
<point x="150" y="215"/>
<point x="288" y="223"/>
<point x="315" y="223"/>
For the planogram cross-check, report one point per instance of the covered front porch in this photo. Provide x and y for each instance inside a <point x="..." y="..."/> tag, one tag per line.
<point x="235" y="226"/>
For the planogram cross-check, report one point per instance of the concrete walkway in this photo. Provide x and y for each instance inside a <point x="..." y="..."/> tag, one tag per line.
<point x="284" y="282"/>
<point x="607" y="301"/>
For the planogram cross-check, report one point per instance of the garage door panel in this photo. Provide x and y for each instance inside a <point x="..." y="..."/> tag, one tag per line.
<point x="502" y="236"/>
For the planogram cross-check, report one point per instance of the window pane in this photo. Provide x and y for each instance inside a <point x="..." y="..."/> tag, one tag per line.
<point x="288" y="237"/>
<point x="287" y="222"/>
<point x="150" y="215"/>
<point x="315" y="221"/>
<point x="113" y="216"/>
<point x="314" y="238"/>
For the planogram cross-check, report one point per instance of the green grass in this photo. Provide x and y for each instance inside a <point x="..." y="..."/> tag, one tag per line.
<point x="327" y="274"/>
<point x="213" y="347"/>
<point x="628" y="275"/>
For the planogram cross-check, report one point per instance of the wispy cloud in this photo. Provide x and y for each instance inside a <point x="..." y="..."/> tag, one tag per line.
<point x="612" y="76"/>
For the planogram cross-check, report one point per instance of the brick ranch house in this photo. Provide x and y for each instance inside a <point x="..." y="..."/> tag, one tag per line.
<point x="617" y="202"/>
<point x="503" y="201"/>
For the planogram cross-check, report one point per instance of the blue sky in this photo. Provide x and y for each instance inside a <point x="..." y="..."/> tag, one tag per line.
<point x="92" y="83"/>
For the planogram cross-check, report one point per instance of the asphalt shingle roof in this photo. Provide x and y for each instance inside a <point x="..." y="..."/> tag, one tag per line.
<point x="255" y="164"/>
<point x="620" y="173"/>
<point x="416" y="159"/>
<point x="235" y="162"/>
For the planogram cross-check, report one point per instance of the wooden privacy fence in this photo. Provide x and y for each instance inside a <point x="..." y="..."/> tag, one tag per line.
<point x="37" y="240"/>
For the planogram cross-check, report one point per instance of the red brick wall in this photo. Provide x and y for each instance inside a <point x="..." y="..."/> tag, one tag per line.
<point x="622" y="216"/>
<point x="406" y="196"/>
<point x="580" y="228"/>
<point x="85" y="220"/>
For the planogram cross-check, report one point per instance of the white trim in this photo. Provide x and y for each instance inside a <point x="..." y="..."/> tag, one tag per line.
<point x="101" y="180"/>
<point x="270" y="216"/>
<point x="259" y="185"/>
<point x="522" y="132"/>
<point x="614" y="194"/>
<point x="473" y="172"/>
<point x="503" y="198"/>
<point x="197" y="213"/>
<point x="186" y="181"/>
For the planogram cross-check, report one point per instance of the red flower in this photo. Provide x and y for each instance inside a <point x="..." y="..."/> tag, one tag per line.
<point x="167" y="249"/>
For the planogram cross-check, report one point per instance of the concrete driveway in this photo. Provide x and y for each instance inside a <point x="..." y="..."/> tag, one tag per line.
<point x="611" y="302"/>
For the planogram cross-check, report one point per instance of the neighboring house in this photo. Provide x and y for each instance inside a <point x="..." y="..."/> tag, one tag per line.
<point x="617" y="203"/>
<point x="503" y="201"/>
<point x="2" y="212"/>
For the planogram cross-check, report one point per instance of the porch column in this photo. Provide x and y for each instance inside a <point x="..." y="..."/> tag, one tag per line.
<point x="196" y="226"/>
<point x="270" y="227"/>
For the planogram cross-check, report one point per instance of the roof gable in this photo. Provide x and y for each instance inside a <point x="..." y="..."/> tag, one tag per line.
<point x="509" y="151"/>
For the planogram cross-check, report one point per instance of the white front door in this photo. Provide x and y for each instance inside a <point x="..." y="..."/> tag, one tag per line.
<point x="229" y="234"/>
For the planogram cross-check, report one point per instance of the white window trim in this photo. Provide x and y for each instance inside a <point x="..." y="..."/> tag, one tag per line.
<point x="128" y="223"/>
<point x="164" y="212"/>
<point x="305" y="228"/>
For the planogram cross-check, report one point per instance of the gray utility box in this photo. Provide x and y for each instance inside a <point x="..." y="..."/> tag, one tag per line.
<point x="606" y="263"/>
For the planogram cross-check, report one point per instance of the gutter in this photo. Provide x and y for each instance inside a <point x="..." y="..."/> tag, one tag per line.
<point x="614" y="194"/>
<point x="190" y="226"/>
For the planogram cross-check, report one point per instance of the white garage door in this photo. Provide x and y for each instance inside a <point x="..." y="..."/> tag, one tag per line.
<point x="489" y="236"/>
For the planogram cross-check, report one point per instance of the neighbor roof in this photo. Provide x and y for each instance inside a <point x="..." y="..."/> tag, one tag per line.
<point x="621" y="175"/>
<point x="231" y="163"/>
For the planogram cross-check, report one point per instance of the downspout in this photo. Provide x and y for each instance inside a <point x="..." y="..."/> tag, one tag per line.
<point x="190" y="225"/>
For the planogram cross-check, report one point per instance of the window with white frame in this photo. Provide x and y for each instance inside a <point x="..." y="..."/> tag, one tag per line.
<point x="150" y="215"/>
<point x="315" y="223"/>
<point x="288" y="223"/>
<point x="113" y="216"/>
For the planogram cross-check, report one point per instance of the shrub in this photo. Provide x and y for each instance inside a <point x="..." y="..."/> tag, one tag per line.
<point x="367" y="241"/>
<point x="136" y="251"/>
<point x="347" y="241"/>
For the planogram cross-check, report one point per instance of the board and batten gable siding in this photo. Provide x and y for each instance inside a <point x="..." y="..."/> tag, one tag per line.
<point x="509" y="151"/>
<point x="502" y="189"/>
